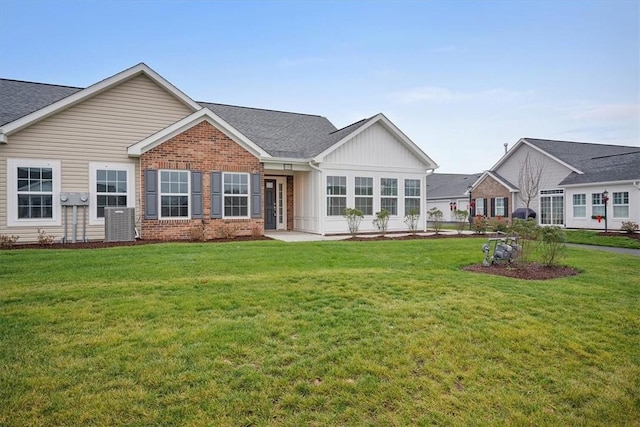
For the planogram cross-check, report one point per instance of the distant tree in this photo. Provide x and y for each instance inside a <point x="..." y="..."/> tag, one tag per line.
<point x="529" y="179"/>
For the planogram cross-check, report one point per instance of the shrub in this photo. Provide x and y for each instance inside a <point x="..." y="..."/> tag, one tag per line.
<point x="461" y="220"/>
<point x="480" y="224"/>
<point x="411" y="219"/>
<point x="44" y="238"/>
<point x="229" y="231"/>
<point x="435" y="216"/>
<point x="552" y="246"/>
<point x="629" y="226"/>
<point x="498" y="225"/>
<point x="7" y="241"/>
<point x="381" y="221"/>
<point x="353" y="217"/>
<point x="198" y="232"/>
<point x="526" y="232"/>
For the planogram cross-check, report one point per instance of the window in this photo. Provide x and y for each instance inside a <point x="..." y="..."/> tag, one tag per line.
<point x="33" y="188"/>
<point x="621" y="204"/>
<point x="364" y="194"/>
<point x="236" y="195"/>
<point x="597" y="205"/>
<point x="111" y="185"/>
<point x="500" y="207"/>
<point x="389" y="195"/>
<point x="411" y="195"/>
<point x="174" y="194"/>
<point x="552" y="207"/>
<point x="579" y="205"/>
<point x="336" y="195"/>
<point x="480" y="207"/>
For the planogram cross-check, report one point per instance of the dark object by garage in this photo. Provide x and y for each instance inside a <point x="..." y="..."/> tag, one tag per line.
<point x="523" y="213"/>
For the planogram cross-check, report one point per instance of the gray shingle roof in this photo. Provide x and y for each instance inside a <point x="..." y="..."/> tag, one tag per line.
<point x="279" y="133"/>
<point x="18" y="98"/>
<point x="449" y="185"/>
<point x="598" y="162"/>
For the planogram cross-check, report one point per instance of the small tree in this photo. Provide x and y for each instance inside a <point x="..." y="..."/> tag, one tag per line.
<point x="353" y="217"/>
<point x="529" y="179"/>
<point x="381" y="221"/>
<point x="461" y="220"/>
<point x="411" y="219"/>
<point x="552" y="246"/>
<point x="435" y="216"/>
<point x="480" y="224"/>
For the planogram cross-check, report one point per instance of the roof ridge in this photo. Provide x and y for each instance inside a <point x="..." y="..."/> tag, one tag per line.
<point x="579" y="142"/>
<point x="40" y="83"/>
<point x="260" y="109"/>
<point x="348" y="126"/>
<point x="617" y="154"/>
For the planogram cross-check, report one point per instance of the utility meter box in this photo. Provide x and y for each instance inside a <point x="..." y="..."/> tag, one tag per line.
<point x="74" y="199"/>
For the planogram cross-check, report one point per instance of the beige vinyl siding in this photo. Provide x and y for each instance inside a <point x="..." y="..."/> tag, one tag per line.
<point x="98" y="129"/>
<point x="375" y="146"/>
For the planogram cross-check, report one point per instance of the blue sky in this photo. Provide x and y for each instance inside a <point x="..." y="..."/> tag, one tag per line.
<point x="460" y="78"/>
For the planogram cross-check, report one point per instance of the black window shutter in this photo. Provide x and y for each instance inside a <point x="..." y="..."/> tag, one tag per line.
<point x="216" y="194"/>
<point x="506" y="207"/>
<point x="493" y="207"/>
<point x="196" y="194"/>
<point x="256" y="191"/>
<point x="151" y="194"/>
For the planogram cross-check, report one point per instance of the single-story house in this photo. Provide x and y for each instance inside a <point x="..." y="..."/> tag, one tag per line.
<point x="568" y="184"/>
<point x="449" y="192"/>
<point x="134" y="140"/>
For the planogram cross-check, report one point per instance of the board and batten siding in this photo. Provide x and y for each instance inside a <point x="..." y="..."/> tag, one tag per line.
<point x="375" y="146"/>
<point x="307" y="201"/>
<point x="98" y="129"/>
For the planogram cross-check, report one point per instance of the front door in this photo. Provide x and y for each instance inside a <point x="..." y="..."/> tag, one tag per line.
<point x="270" y="210"/>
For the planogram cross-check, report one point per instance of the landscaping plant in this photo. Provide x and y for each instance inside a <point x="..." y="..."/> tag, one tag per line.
<point x="354" y="217"/>
<point x="381" y="221"/>
<point x="461" y="219"/>
<point x="435" y="216"/>
<point x="412" y="219"/>
<point x="552" y="245"/>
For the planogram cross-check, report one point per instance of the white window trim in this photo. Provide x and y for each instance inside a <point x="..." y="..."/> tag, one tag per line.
<point x="480" y="207"/>
<point x="160" y="194"/>
<point x="412" y="197"/>
<point x="12" y="193"/>
<point x="130" y="168"/>
<point x="574" y="206"/>
<point x="498" y="214"/>
<point x="396" y="197"/>
<point x="619" y="205"/>
<point x="363" y="196"/>
<point x="342" y="196"/>
<point x="248" y="196"/>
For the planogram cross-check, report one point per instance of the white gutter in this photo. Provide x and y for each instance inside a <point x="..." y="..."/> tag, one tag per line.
<point x="3" y="138"/>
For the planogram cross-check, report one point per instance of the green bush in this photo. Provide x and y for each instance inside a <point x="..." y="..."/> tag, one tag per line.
<point x="526" y="231"/>
<point x="381" y="221"/>
<point x="353" y="217"/>
<point x="629" y="226"/>
<point x="553" y="245"/>
<point x="461" y="219"/>
<point x="435" y="216"/>
<point x="480" y="224"/>
<point x="411" y="219"/>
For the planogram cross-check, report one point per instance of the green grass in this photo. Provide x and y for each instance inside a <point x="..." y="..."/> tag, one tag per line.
<point x="325" y="333"/>
<point x="588" y="237"/>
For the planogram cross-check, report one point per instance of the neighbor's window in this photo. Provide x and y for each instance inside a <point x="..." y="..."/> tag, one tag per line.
<point x="35" y="192"/>
<point x="174" y="194"/>
<point x="111" y="190"/>
<point x="480" y="207"/>
<point x="597" y="205"/>
<point x="389" y="195"/>
<point x="336" y="195"/>
<point x="579" y="205"/>
<point x="500" y="206"/>
<point x="236" y="195"/>
<point x="364" y="194"/>
<point x="621" y="204"/>
<point x="411" y="195"/>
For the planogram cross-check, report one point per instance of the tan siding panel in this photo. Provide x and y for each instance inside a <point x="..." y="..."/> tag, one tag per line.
<point x="98" y="129"/>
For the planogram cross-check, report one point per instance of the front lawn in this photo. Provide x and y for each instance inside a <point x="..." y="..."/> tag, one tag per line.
<point x="615" y="239"/>
<point x="324" y="333"/>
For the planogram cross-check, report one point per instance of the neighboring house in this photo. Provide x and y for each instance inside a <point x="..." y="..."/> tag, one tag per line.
<point x="449" y="192"/>
<point x="574" y="178"/>
<point x="135" y="140"/>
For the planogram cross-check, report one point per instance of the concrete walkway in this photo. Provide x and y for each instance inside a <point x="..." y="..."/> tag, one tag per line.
<point x="627" y="251"/>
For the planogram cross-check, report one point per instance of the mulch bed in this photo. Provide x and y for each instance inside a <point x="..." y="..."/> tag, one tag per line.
<point x="530" y="271"/>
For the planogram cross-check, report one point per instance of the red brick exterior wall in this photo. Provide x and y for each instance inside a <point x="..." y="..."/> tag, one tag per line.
<point x="490" y="188"/>
<point x="206" y="149"/>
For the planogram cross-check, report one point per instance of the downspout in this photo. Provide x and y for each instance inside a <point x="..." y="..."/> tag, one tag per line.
<point x="321" y="197"/>
<point x="3" y="138"/>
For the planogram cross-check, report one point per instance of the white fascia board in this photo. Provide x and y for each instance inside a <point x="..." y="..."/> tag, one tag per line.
<point x="93" y="90"/>
<point x="204" y="114"/>
<point x="599" y="184"/>
<point x="3" y="138"/>
<point x="393" y="129"/>
<point x="369" y="168"/>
